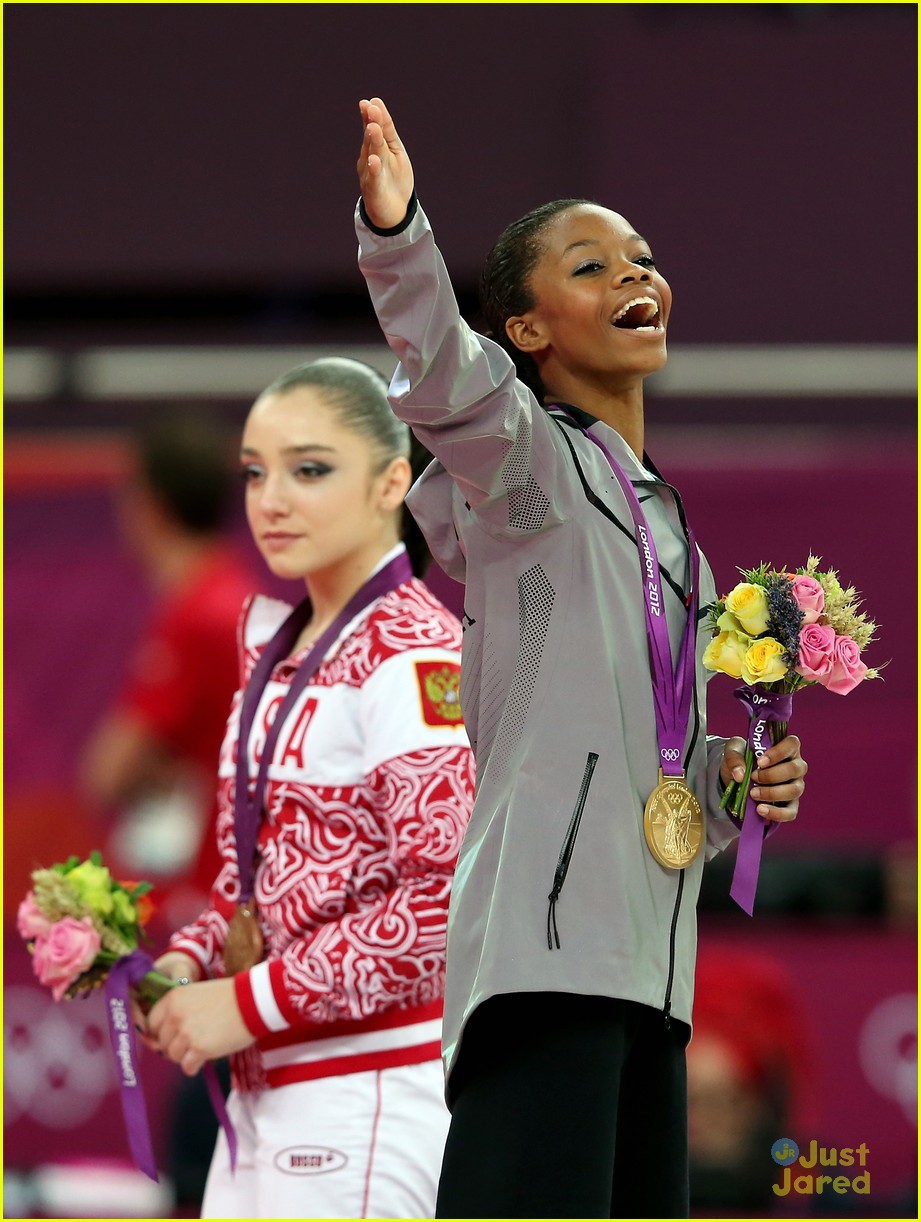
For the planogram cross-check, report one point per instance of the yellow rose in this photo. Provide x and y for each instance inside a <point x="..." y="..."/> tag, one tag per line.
<point x="764" y="661"/>
<point x="725" y="653"/>
<point x="729" y="623"/>
<point x="748" y="603"/>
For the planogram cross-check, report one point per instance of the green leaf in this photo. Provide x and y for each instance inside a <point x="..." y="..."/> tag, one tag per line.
<point x="758" y="576"/>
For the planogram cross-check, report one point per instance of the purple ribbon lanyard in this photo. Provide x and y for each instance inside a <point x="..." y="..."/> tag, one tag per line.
<point x="671" y="687"/>
<point x="763" y="707"/>
<point x="125" y="972"/>
<point x="248" y="805"/>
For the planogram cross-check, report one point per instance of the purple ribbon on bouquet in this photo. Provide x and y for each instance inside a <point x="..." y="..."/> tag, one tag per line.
<point x="125" y="972"/>
<point x="763" y="708"/>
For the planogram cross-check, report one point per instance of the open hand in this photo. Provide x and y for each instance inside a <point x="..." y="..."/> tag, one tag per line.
<point x="778" y="780"/>
<point x="384" y="169"/>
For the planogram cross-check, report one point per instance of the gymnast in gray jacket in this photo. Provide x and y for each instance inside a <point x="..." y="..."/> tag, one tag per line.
<point x="572" y="929"/>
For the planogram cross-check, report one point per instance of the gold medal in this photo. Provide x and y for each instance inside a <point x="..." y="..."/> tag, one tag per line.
<point x="244" y="945"/>
<point x="673" y="823"/>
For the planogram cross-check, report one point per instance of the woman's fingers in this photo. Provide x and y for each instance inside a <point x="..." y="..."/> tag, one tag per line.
<point x="378" y="141"/>
<point x="384" y="171"/>
<point x="780" y="778"/>
<point x="732" y="766"/>
<point x="777" y="783"/>
<point x="369" y="164"/>
<point x="199" y="1023"/>
<point x="380" y="115"/>
<point x="169" y="1038"/>
<point x="779" y="814"/>
<point x="781" y="762"/>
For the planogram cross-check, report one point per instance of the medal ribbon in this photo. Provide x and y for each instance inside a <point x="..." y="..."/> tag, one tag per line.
<point x="763" y="707"/>
<point x="247" y="804"/>
<point x="125" y="972"/>
<point x="672" y="687"/>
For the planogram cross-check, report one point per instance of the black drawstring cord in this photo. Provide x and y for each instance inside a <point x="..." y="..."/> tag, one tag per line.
<point x="562" y="866"/>
<point x="551" y="917"/>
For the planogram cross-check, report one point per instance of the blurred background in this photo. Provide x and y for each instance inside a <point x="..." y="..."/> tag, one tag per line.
<point x="180" y="181"/>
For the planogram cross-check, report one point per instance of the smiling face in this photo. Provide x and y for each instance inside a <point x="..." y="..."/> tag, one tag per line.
<point x="600" y="307"/>
<point x="317" y="500"/>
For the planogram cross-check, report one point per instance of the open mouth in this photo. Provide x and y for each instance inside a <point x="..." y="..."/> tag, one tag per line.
<point x="639" y="314"/>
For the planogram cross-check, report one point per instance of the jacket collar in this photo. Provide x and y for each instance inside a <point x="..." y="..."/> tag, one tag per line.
<point x="585" y="421"/>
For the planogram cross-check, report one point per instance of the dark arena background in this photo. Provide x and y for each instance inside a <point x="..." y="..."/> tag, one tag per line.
<point x="180" y="182"/>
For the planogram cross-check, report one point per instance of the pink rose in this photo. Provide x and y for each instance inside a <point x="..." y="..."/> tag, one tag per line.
<point x="810" y="597"/>
<point x="69" y="948"/>
<point x="816" y="652"/>
<point x="30" y="920"/>
<point x="847" y="669"/>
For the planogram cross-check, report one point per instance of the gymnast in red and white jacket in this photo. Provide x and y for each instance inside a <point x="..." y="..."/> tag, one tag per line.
<point x="366" y="803"/>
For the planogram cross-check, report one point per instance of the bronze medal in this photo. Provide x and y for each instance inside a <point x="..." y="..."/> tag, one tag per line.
<point x="245" y="945"/>
<point x="673" y="823"/>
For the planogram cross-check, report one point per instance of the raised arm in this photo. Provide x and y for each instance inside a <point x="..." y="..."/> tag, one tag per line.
<point x="457" y="390"/>
<point x="384" y="170"/>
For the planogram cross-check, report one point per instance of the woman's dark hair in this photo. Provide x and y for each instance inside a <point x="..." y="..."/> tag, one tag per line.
<point x="505" y="285"/>
<point x="357" y="393"/>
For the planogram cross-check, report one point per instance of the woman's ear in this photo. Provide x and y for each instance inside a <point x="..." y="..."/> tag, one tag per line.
<point x="396" y="480"/>
<point x="525" y="333"/>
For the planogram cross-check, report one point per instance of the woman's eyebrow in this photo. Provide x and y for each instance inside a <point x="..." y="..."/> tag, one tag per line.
<point x="313" y="447"/>
<point x="580" y="242"/>
<point x="310" y="447"/>
<point x="631" y="237"/>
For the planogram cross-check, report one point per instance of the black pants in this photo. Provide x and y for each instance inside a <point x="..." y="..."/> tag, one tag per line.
<point x="566" y="1106"/>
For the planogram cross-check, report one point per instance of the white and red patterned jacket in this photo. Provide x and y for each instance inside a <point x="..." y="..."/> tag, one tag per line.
<point x="368" y="796"/>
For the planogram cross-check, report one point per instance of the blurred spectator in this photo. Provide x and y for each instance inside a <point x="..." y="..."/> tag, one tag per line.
<point x="749" y="1079"/>
<point x="153" y="757"/>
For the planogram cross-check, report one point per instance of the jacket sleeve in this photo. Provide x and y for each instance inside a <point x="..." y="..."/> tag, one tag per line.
<point x="458" y="390"/>
<point x="389" y="949"/>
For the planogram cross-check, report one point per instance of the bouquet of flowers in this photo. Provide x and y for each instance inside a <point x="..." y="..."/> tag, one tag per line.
<point x="84" y="930"/>
<point x="778" y="632"/>
<point x="78" y="921"/>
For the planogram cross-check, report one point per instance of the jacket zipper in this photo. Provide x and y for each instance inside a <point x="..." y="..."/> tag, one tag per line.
<point x="569" y="843"/>
<point x="667" y="1008"/>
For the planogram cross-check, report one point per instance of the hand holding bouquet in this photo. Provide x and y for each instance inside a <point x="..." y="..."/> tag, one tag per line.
<point x="778" y="632"/>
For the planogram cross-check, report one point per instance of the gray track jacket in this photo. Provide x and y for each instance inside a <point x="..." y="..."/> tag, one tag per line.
<point x="555" y="684"/>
